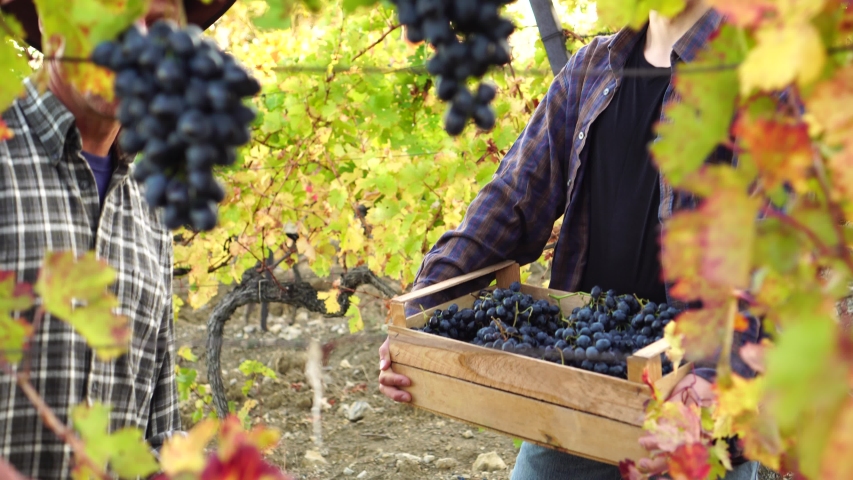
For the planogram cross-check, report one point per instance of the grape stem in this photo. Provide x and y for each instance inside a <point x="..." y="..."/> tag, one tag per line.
<point x="377" y="42"/>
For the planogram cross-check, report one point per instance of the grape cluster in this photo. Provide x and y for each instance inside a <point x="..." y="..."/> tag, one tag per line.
<point x="598" y="336"/>
<point x="180" y="105"/>
<point x="469" y="36"/>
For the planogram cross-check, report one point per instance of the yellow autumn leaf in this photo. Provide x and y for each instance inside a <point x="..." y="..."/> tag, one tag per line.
<point x="306" y="249"/>
<point x="185" y="454"/>
<point x="785" y="53"/>
<point x="331" y="300"/>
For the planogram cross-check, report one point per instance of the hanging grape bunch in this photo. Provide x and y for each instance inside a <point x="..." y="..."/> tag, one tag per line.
<point x="469" y="36"/>
<point x="180" y="105"/>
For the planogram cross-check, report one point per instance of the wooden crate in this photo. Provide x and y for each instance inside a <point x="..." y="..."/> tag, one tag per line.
<point x="573" y="410"/>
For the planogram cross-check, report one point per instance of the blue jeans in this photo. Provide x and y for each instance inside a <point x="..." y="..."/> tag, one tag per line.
<point x="539" y="463"/>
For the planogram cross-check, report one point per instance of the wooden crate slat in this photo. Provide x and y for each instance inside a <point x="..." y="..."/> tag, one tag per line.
<point x="570" y="387"/>
<point x="552" y="425"/>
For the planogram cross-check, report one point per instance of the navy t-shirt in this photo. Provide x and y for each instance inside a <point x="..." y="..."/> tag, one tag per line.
<point x="102" y="167"/>
<point x="622" y="185"/>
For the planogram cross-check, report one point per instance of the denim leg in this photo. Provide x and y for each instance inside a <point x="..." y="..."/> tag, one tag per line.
<point x="539" y="463"/>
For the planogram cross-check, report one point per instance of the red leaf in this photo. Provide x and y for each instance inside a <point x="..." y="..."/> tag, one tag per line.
<point x="689" y="462"/>
<point x="246" y="463"/>
<point x="629" y="471"/>
<point x="781" y="149"/>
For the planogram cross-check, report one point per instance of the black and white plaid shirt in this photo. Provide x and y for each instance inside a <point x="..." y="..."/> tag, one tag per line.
<point x="49" y="202"/>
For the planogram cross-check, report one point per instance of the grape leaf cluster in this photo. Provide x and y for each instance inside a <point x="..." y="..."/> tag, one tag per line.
<point x="469" y="37"/>
<point x="598" y="336"/>
<point x="180" y="105"/>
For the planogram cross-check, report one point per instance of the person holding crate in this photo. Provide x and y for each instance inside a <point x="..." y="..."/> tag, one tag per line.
<point x="584" y="155"/>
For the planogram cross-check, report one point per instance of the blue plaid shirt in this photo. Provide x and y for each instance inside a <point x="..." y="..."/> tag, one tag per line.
<point x="539" y="179"/>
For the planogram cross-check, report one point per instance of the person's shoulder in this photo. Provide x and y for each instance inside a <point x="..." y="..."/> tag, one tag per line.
<point x="595" y="51"/>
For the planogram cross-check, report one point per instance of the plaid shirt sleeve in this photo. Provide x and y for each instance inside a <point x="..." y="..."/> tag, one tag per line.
<point x="512" y="216"/>
<point x="164" y="420"/>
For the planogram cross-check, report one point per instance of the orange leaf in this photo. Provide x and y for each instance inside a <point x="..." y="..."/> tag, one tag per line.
<point x="689" y="462"/>
<point x="744" y="13"/>
<point x="780" y="149"/>
<point x="831" y="105"/>
<point x="5" y="132"/>
<point x="741" y="323"/>
<point x="838" y="455"/>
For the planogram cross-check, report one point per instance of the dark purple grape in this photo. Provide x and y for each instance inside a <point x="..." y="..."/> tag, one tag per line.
<point x="171" y="75"/>
<point x="201" y="156"/>
<point x="206" y="64"/>
<point x="454" y="124"/>
<point x="130" y="141"/>
<point x="103" y="53"/>
<point x="484" y="117"/>
<point x="182" y="43"/>
<point x="194" y="126"/>
<point x="151" y="56"/>
<point x="203" y="217"/>
<point x="177" y="193"/>
<point x="155" y="190"/>
<point x="167" y="105"/>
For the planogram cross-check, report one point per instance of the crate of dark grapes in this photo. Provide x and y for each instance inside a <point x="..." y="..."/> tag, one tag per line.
<point x="564" y="370"/>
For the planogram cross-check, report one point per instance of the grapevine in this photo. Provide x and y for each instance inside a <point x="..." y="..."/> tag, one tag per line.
<point x="180" y="106"/>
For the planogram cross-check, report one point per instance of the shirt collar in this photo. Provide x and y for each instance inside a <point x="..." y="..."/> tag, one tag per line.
<point x="54" y="125"/>
<point x="685" y="49"/>
<point x="48" y="118"/>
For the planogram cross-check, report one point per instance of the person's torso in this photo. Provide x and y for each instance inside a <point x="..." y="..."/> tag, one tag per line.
<point x="622" y="187"/>
<point x="49" y="202"/>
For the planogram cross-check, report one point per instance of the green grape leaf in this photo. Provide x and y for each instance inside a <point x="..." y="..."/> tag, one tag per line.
<point x="13" y="64"/>
<point x="76" y="292"/>
<point x="351" y="5"/>
<point x="701" y="120"/>
<point x="14" y="333"/>
<point x="131" y="456"/>
<point x="277" y="15"/>
<point x="185" y="379"/>
<point x="635" y="13"/>
<point x="92" y="423"/>
<point x="252" y="367"/>
<point x="807" y="383"/>
<point x="72" y="28"/>
<point x="125" y="450"/>
<point x="353" y="314"/>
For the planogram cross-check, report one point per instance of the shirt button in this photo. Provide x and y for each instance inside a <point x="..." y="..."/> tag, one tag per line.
<point x="580" y="136"/>
<point x="606" y="91"/>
